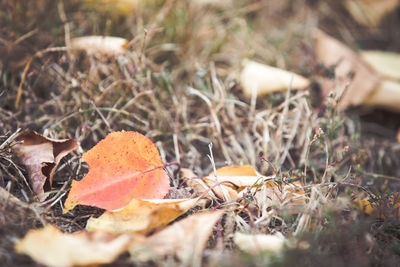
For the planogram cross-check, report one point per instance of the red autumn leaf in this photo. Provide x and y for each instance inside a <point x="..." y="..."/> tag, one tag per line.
<point x="41" y="155"/>
<point x="123" y="166"/>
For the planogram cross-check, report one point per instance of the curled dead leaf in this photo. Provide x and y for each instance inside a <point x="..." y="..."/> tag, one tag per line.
<point x="41" y="156"/>
<point x="123" y="166"/>
<point x="263" y="79"/>
<point x="51" y="247"/>
<point x="141" y="216"/>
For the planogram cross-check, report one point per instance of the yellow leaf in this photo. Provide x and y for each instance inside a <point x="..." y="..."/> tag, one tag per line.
<point x="367" y="207"/>
<point x="141" y="216"/>
<point x="51" y="247"/>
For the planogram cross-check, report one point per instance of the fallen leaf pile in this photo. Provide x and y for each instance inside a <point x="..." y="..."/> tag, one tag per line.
<point x="126" y="177"/>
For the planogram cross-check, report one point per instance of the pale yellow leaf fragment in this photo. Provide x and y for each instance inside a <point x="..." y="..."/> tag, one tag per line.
<point x="186" y="239"/>
<point x="261" y="79"/>
<point x="258" y="243"/>
<point x="370" y="12"/>
<point x="386" y="95"/>
<point x="141" y="216"/>
<point x="385" y="63"/>
<point x="100" y="45"/>
<point x="51" y="247"/>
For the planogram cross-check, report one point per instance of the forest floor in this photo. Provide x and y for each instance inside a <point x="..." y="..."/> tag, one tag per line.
<point x="178" y="84"/>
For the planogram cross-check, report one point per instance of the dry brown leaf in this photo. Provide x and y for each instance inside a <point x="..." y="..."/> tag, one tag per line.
<point x="100" y="45"/>
<point x="51" y="247"/>
<point x="186" y="239"/>
<point x="209" y="184"/>
<point x="370" y="12"/>
<point x="141" y="216"/>
<point x="350" y="71"/>
<point x="259" y="243"/>
<point x="266" y="191"/>
<point x="263" y="79"/>
<point x="286" y="196"/>
<point x="41" y="156"/>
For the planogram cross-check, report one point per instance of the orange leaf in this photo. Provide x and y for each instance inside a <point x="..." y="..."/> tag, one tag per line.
<point x="123" y="166"/>
<point x="41" y="156"/>
<point x="245" y="170"/>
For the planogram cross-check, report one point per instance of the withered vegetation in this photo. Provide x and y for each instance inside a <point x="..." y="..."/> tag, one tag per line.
<point x="178" y="85"/>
